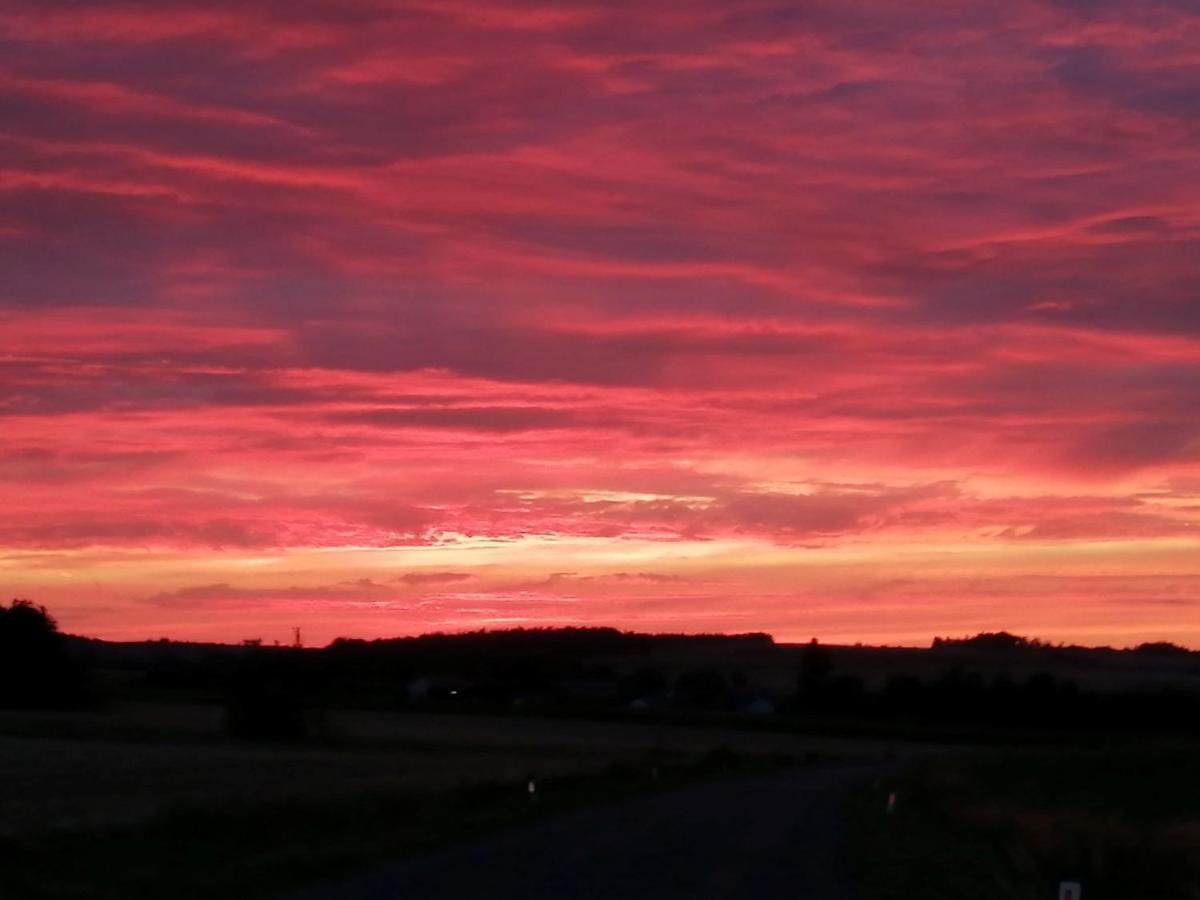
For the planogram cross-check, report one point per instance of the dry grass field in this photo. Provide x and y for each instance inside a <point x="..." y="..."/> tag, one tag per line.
<point x="132" y="761"/>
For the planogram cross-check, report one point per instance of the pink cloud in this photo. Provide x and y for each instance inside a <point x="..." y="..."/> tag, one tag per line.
<point x="348" y="277"/>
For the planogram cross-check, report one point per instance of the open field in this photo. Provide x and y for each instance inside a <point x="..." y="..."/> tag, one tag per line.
<point x="150" y="800"/>
<point x="59" y="783"/>
<point x="268" y="849"/>
<point x="132" y="761"/>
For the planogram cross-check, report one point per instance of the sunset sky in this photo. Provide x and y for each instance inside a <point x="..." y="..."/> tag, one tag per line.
<point x="867" y="321"/>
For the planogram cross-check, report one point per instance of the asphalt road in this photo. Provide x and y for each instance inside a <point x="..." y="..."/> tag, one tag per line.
<point x="777" y="836"/>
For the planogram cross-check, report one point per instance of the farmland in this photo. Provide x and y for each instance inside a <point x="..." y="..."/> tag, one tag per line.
<point x="131" y="761"/>
<point x="137" y="793"/>
<point x="363" y="752"/>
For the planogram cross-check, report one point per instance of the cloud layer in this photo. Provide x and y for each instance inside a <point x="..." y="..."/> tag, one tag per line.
<point x="782" y="307"/>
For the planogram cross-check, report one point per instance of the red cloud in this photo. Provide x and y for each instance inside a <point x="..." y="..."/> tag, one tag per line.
<point x="344" y="278"/>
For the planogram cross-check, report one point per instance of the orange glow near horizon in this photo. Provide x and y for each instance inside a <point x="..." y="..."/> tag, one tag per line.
<point x="376" y="319"/>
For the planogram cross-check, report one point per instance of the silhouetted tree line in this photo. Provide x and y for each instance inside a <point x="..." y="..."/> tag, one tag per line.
<point x="959" y="696"/>
<point x="280" y="692"/>
<point x="37" y="670"/>
<point x="529" y="665"/>
<point x="1002" y="642"/>
<point x="552" y="646"/>
<point x="1163" y="648"/>
<point x="999" y="641"/>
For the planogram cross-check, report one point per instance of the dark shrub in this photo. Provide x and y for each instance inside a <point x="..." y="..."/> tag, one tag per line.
<point x="263" y="702"/>
<point x="36" y="667"/>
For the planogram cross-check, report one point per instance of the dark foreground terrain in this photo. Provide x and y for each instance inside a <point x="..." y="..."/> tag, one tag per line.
<point x="1123" y="822"/>
<point x="777" y="836"/>
<point x="666" y="766"/>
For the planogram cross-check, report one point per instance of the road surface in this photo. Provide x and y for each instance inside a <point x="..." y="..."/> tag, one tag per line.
<point x="759" y="838"/>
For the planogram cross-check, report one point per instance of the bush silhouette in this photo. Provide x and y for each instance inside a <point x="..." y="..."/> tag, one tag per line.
<point x="816" y="666"/>
<point x="36" y="668"/>
<point x="263" y="700"/>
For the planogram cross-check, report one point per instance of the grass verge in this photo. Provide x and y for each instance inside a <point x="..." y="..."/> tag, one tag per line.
<point x="1011" y="826"/>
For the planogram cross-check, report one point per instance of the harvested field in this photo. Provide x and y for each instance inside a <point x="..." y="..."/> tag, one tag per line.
<point x="130" y="762"/>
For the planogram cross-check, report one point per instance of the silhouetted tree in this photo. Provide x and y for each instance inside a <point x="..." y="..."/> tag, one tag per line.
<point x="816" y="665"/>
<point x="1161" y="648"/>
<point x="264" y="698"/>
<point x="36" y="668"/>
<point x="996" y="641"/>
